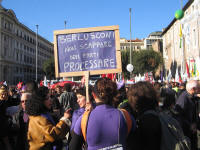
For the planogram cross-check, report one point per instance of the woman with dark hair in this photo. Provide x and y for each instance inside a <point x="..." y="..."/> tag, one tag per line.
<point x="106" y="126"/>
<point x="81" y="100"/>
<point x="43" y="132"/>
<point x="143" y="98"/>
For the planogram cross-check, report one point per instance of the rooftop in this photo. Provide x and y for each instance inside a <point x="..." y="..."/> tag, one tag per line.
<point x="156" y="33"/>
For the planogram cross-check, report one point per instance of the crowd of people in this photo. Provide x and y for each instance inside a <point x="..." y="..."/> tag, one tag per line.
<point x="114" y="117"/>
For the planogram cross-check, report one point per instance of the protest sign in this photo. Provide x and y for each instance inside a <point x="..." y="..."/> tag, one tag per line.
<point x="96" y="50"/>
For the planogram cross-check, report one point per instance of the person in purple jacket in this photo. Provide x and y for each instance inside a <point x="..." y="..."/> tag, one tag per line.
<point x="106" y="127"/>
<point x="81" y="100"/>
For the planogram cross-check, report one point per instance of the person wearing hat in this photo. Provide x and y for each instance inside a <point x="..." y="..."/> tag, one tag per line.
<point x="5" y="102"/>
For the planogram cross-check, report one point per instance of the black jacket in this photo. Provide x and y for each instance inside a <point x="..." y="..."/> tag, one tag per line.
<point x="4" y="104"/>
<point x="18" y="121"/>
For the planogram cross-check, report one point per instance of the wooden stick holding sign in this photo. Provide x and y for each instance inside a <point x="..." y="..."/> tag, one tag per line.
<point x="87" y="73"/>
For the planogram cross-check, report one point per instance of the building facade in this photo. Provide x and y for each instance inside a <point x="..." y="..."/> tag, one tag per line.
<point x="18" y="50"/>
<point x="181" y="40"/>
<point x="152" y="38"/>
<point x="136" y="44"/>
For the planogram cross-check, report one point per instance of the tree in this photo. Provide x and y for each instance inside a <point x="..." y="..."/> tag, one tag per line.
<point x="49" y="68"/>
<point x="125" y="61"/>
<point x="146" y="61"/>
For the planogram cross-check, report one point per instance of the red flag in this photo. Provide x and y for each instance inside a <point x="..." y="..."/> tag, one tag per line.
<point x="110" y="76"/>
<point x="19" y="85"/>
<point x="103" y="75"/>
<point x="41" y="83"/>
<point x="180" y="79"/>
<point x="187" y="69"/>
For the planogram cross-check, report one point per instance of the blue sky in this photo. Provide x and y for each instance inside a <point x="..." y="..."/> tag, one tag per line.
<point x="147" y="15"/>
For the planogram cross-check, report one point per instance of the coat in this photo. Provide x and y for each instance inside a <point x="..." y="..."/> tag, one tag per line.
<point x="185" y="106"/>
<point x="22" y="125"/>
<point x="68" y="100"/>
<point x="42" y="133"/>
<point x="106" y="128"/>
<point x="4" y="124"/>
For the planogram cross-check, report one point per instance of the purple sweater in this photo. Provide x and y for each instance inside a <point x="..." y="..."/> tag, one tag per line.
<point x="106" y="127"/>
<point x="76" y="114"/>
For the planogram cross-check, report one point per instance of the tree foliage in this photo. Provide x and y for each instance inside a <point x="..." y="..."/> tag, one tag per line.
<point x="125" y="56"/>
<point x="143" y="61"/>
<point x="49" y="68"/>
<point x="146" y="61"/>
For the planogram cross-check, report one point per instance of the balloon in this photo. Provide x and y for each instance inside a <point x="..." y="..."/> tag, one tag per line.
<point x="179" y="14"/>
<point x="129" y="67"/>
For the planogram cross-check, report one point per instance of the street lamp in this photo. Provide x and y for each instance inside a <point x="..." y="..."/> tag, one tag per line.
<point x="130" y="36"/>
<point x="36" y="51"/>
<point x="65" y="22"/>
<point x="130" y="67"/>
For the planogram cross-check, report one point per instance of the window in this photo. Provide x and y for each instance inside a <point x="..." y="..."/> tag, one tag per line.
<point x="17" y="56"/>
<point x="25" y="58"/>
<point x="5" y="51"/>
<point x="20" y="57"/>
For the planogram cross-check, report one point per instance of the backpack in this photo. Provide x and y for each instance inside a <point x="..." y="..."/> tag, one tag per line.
<point x="172" y="137"/>
<point x="85" y="117"/>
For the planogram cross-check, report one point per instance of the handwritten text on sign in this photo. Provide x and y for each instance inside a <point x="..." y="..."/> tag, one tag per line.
<point x="86" y="51"/>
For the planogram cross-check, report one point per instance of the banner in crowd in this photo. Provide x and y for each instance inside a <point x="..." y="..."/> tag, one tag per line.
<point x="96" y="50"/>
